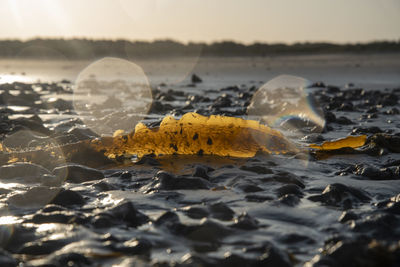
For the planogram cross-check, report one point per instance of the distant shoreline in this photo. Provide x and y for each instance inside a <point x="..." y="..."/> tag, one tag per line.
<point x="89" y="49"/>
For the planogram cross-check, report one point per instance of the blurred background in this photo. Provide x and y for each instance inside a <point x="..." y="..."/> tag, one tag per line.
<point x="226" y="42"/>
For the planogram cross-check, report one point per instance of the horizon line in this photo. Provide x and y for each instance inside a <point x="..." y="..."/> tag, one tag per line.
<point x="200" y="42"/>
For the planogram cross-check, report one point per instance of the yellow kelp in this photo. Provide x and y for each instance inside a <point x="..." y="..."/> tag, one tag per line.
<point x="196" y="134"/>
<point x="349" y="141"/>
<point x="193" y="134"/>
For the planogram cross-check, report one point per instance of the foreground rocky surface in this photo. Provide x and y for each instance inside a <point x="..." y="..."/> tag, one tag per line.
<point x="201" y="210"/>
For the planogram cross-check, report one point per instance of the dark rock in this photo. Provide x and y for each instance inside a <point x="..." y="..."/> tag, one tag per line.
<point x="126" y="175"/>
<point x="378" y="225"/>
<point x="196" y="212"/>
<point x="34" y="197"/>
<point x="34" y="124"/>
<point x="361" y="251"/>
<point x="257" y="169"/>
<point x="13" y="241"/>
<point x="366" y="130"/>
<point x="248" y="187"/>
<point x="6" y="259"/>
<point x="340" y="195"/>
<point x="346" y="107"/>
<point x="207" y="231"/>
<point x="44" y="247"/>
<point x="75" y="173"/>
<point x="196" y="79"/>
<point x="22" y="170"/>
<point x="392" y="111"/>
<point x="289" y="189"/>
<point x="67" y="198"/>
<point x="167" y="181"/>
<point x="69" y="259"/>
<point x="223" y="101"/>
<point x="201" y="171"/>
<point x="127" y="212"/>
<point x="245" y="222"/>
<point x="104" y="186"/>
<point x="289" y="200"/>
<point x="221" y="211"/>
<point x="59" y="104"/>
<point x="134" y="246"/>
<point x="344" y="121"/>
<point x="373" y="173"/>
<point x="329" y="116"/>
<point x="53" y="207"/>
<point x="296" y="238"/>
<point x="64" y="217"/>
<point x="82" y="133"/>
<point x="285" y="178"/>
<point x="148" y="160"/>
<point x="347" y="216"/>
<point x="258" y="198"/>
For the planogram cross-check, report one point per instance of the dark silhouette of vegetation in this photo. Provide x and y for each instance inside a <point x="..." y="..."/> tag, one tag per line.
<point x="87" y="49"/>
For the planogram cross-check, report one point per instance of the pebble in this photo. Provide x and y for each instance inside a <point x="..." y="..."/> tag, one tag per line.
<point x="26" y="172"/>
<point x="6" y="259"/>
<point x="340" y="195"/>
<point x="166" y="181"/>
<point x="75" y="173"/>
<point x="245" y="222"/>
<point x="67" y="198"/>
<point x="221" y="211"/>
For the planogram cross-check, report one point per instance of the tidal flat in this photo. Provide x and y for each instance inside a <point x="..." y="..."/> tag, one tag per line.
<point x="204" y="210"/>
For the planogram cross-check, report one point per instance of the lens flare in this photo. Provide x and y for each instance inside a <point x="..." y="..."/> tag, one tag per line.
<point x="32" y="156"/>
<point x="286" y="103"/>
<point x="112" y="94"/>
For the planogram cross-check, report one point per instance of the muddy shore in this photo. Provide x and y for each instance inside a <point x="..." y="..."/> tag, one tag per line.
<point x="277" y="210"/>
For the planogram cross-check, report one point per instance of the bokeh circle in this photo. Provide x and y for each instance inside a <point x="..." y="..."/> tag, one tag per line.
<point x="112" y="94"/>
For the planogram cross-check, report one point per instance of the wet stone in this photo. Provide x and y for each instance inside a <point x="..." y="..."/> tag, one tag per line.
<point x="127" y="213"/>
<point x="248" y="187"/>
<point x="289" y="189"/>
<point x="343" y="120"/>
<point x="340" y="195"/>
<point x="293" y="238"/>
<point x="289" y="200"/>
<point x="258" y="198"/>
<point x="361" y="251"/>
<point x="196" y="212"/>
<point x="256" y="169"/>
<point x="34" y="197"/>
<point x="167" y="181"/>
<point x="245" y="222"/>
<point x="221" y="211"/>
<point x="347" y="216"/>
<point x="78" y="173"/>
<point x="201" y="171"/>
<point x="134" y="246"/>
<point x="196" y="79"/>
<point x="42" y="247"/>
<point x="207" y="231"/>
<point x="285" y="178"/>
<point x="374" y="173"/>
<point x="68" y="259"/>
<point x="103" y="186"/>
<point x="64" y="217"/>
<point x="6" y="259"/>
<point x="67" y="198"/>
<point x="25" y="171"/>
<point x="379" y="225"/>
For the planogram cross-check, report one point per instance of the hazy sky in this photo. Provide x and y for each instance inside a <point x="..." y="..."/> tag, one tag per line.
<point x="203" y="20"/>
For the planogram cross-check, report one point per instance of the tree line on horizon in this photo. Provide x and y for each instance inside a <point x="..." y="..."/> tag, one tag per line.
<point x="87" y="48"/>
